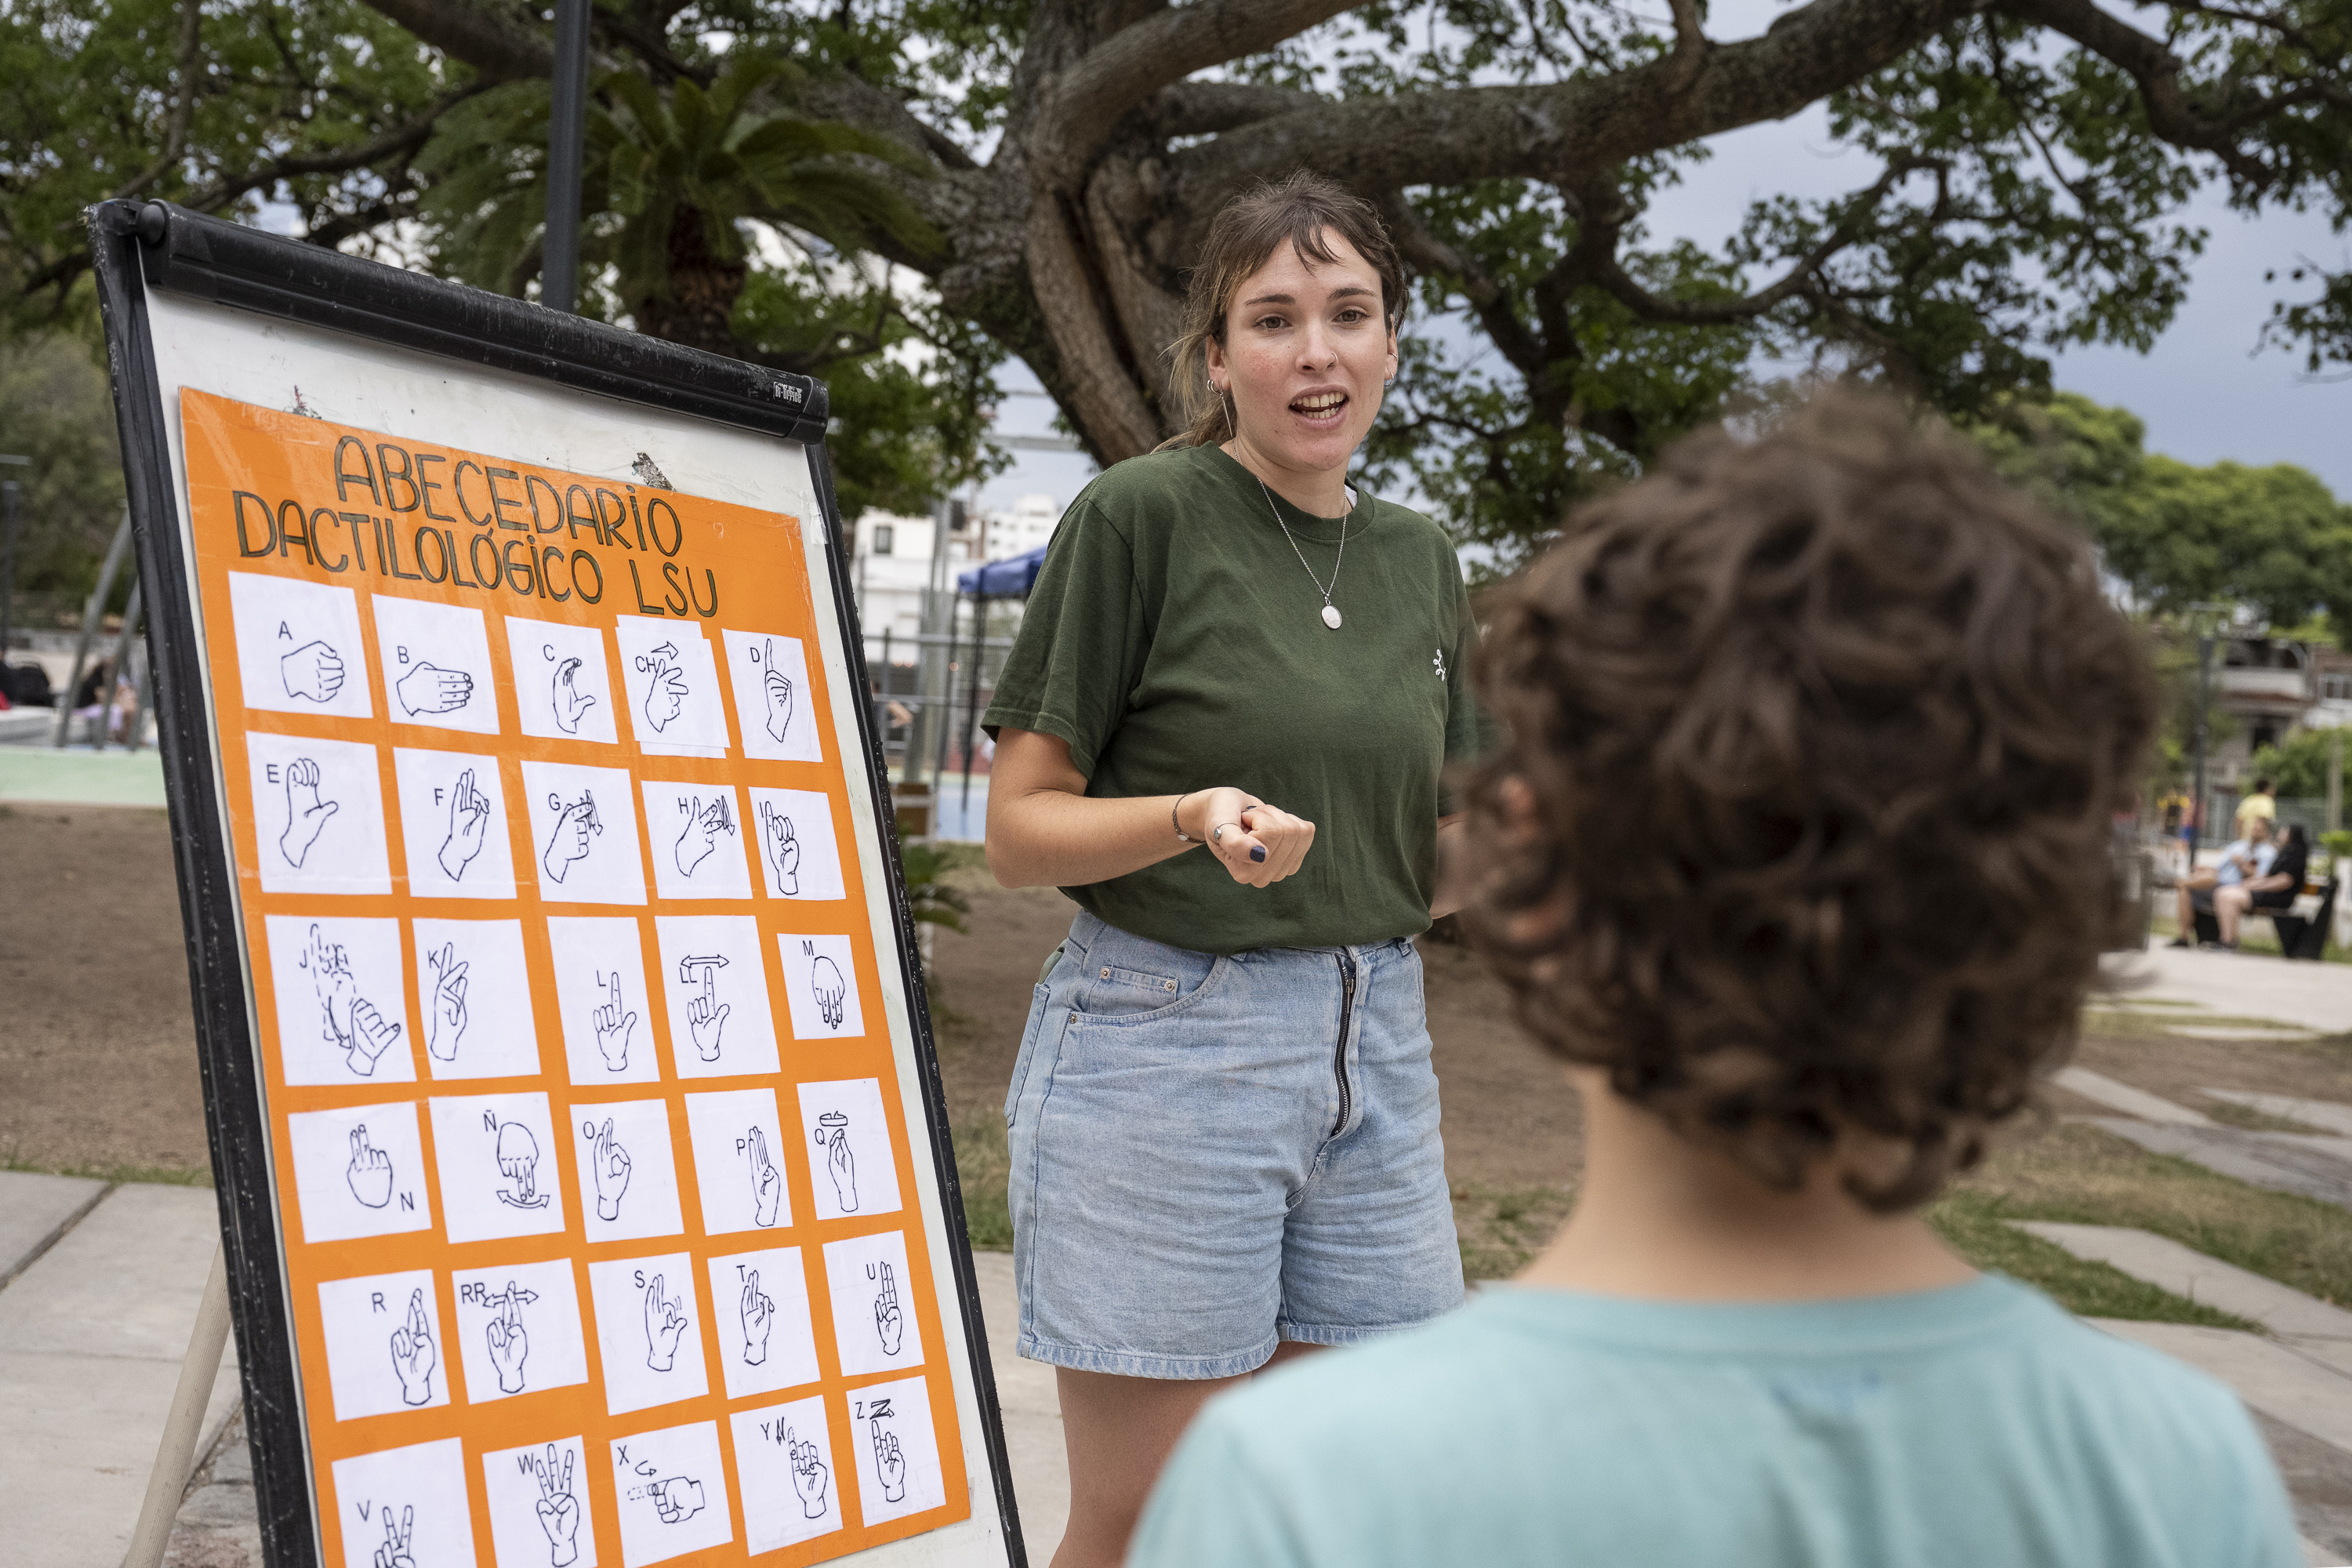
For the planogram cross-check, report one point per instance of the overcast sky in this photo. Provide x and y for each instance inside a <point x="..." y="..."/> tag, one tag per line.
<point x="2204" y="391"/>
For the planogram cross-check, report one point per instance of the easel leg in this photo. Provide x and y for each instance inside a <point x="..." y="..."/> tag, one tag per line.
<point x="176" y="1456"/>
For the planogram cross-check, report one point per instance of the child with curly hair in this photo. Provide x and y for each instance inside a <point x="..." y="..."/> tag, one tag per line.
<point x="1795" y="852"/>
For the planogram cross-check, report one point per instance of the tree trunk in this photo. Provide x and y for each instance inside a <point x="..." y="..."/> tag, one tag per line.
<point x="703" y="286"/>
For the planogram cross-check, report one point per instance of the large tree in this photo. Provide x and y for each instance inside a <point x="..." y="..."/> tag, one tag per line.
<point x="2032" y="160"/>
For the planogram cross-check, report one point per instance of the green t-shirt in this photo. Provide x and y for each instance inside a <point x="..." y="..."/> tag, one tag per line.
<point x="1968" y="1427"/>
<point x="1176" y="642"/>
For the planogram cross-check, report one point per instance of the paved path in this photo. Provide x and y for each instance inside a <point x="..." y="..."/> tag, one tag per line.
<point x="79" y="776"/>
<point x="2239" y="985"/>
<point x="92" y="1333"/>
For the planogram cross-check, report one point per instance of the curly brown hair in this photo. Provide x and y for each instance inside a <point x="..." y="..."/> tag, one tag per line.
<point x="1799" y="828"/>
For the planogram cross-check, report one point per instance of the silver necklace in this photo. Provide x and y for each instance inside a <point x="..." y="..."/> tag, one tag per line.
<point x="1331" y="611"/>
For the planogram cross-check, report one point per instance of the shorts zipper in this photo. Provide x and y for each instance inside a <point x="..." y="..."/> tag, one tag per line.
<point x="1339" y="1049"/>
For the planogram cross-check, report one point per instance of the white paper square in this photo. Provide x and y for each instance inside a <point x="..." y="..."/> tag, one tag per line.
<point x="672" y="1486"/>
<point x="601" y="998"/>
<point x="628" y="1183"/>
<point x="766" y="1339"/>
<point x="793" y="833"/>
<point x="378" y="1364"/>
<point x="453" y="820"/>
<point x="539" y="1505"/>
<point x="436" y="665"/>
<point x="852" y="1168"/>
<point x="496" y="1153"/>
<point x="358" y="1171"/>
<point x="473" y="999"/>
<point x="583" y="835"/>
<point x="672" y="681"/>
<point x="898" y="1453"/>
<point x="750" y="657"/>
<point x="342" y="1016"/>
<point x="563" y="681"/>
<point x="298" y="648"/>
<point x="697" y="836"/>
<point x="648" y="1331"/>
<point x="716" y="980"/>
<point x="739" y="1160"/>
<point x="873" y="1304"/>
<point x="406" y="1502"/>
<point x="519" y="1329"/>
<point x="786" y="1468"/>
<point x="820" y="987"/>
<point x="317" y="809"/>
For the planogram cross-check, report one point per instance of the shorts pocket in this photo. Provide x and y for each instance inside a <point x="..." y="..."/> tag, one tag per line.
<point x="1116" y="998"/>
<point x="1037" y="1010"/>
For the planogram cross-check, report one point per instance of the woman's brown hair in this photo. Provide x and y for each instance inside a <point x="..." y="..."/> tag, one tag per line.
<point x="1300" y="211"/>
<point x="1802" y="828"/>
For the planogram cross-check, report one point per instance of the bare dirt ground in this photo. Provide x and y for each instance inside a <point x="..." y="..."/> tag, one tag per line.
<point x="98" y="1066"/>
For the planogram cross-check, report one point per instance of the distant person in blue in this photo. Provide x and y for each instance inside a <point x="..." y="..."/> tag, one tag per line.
<point x="1794" y="852"/>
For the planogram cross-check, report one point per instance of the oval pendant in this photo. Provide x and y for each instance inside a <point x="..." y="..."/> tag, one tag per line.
<point x="1331" y="618"/>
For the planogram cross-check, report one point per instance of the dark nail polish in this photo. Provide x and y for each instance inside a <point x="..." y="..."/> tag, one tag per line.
<point x="1258" y="853"/>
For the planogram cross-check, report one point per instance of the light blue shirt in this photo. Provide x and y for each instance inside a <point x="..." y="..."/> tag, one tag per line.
<point x="2228" y="875"/>
<point x="1968" y="1427"/>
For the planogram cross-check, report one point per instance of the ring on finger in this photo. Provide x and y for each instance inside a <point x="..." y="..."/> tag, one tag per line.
<point x="1217" y="833"/>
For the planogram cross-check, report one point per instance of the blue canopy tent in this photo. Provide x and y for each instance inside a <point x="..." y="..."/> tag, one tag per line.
<point x="1011" y="578"/>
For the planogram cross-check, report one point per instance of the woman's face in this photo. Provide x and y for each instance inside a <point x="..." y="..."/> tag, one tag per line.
<point x="1304" y="356"/>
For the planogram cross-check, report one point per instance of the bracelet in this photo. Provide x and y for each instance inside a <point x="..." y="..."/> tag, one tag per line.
<point x="1178" y="826"/>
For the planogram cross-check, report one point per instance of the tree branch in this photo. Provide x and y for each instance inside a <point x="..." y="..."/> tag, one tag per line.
<point x="489" y="34"/>
<point x="1547" y="131"/>
<point x="1204" y="108"/>
<point x="183" y="103"/>
<point x="385" y="144"/>
<point x="1165" y="49"/>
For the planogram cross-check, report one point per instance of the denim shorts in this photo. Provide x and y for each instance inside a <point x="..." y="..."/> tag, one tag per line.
<point x="1211" y="1154"/>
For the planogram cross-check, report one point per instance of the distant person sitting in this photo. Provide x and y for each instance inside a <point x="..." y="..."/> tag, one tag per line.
<point x="2247" y="857"/>
<point x="2277" y="887"/>
<point x="1793" y="851"/>
<point x="2262" y="804"/>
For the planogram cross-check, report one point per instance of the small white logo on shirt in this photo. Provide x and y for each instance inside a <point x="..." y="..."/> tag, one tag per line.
<point x="1439" y="662"/>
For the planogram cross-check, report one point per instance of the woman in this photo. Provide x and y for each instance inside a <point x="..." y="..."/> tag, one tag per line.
<point x="1221" y="731"/>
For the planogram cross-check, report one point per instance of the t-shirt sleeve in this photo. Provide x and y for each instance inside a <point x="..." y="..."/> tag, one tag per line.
<point x="1214" y="1505"/>
<point x="1469" y="734"/>
<point x="1080" y="647"/>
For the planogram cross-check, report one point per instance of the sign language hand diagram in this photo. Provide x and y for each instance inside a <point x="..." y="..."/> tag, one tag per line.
<point x="779" y="688"/>
<point x="666" y="693"/>
<point x="517" y="1161"/>
<point x="767" y="1181"/>
<point x="609" y="1164"/>
<point x="369" y="1175"/>
<point x="784" y="849"/>
<point x="706" y="1015"/>
<point x="393" y="1553"/>
<point x="570" y="702"/>
<point x="444" y="1013"/>
<point x="613" y="1029"/>
<point x="412" y="1355"/>
<point x="306" y="814"/>
<point x="427" y="689"/>
<point x="558" y="1509"/>
<point x="889" y="1464"/>
<point x="759" y="1314"/>
<point x="832" y="1137"/>
<point x="314" y="670"/>
<point x="664" y="1323"/>
<point x="826" y="986"/>
<point x="569" y="842"/>
<point x="677" y="1499"/>
<point x="470" y="818"/>
<point x="350" y="1020"/>
<point x="700" y="835"/>
<point x="889" y="1323"/>
<point x="808" y="1474"/>
<point x="508" y="1342"/>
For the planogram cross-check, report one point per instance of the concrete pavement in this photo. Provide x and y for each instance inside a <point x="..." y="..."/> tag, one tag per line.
<point x="2316" y="996"/>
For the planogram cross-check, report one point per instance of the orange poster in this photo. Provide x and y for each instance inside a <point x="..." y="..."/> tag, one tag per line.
<point x="596" y="1194"/>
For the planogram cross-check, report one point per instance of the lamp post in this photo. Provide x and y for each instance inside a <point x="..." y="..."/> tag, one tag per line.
<point x="559" y="278"/>
<point x="2204" y="696"/>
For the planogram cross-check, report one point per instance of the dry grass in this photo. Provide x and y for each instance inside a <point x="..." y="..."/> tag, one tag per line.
<point x="1500" y="1230"/>
<point x="2081" y="1175"/>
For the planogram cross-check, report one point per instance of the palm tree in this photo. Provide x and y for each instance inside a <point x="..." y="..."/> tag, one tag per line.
<point x="668" y="184"/>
